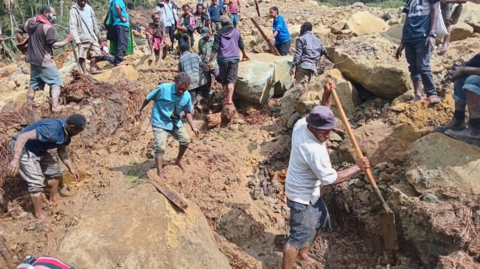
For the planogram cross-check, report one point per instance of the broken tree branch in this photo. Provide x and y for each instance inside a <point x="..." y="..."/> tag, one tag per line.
<point x="167" y="191"/>
<point x="5" y="252"/>
<point x="269" y="43"/>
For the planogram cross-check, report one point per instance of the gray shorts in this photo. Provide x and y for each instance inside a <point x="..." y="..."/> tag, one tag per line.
<point x="305" y="221"/>
<point x="160" y="135"/>
<point x="228" y="72"/>
<point x="39" y="76"/>
<point x="216" y="26"/>
<point x="37" y="170"/>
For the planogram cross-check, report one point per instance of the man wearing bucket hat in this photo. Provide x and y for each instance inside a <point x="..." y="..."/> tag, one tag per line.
<point x="310" y="167"/>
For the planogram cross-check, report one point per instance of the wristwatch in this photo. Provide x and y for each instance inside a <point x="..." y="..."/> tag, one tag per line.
<point x="433" y="33"/>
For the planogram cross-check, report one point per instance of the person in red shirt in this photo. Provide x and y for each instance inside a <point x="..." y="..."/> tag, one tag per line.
<point x="234" y="12"/>
<point x="155" y="33"/>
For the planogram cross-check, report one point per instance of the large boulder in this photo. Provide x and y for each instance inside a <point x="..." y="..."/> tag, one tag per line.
<point x="394" y="34"/>
<point x="380" y="142"/>
<point x="299" y="101"/>
<point x="470" y="11"/>
<point x="460" y="31"/>
<point x="294" y="31"/>
<point x="364" y="22"/>
<point x="369" y="60"/>
<point x="437" y="162"/>
<point x="264" y="76"/>
<point x="145" y="232"/>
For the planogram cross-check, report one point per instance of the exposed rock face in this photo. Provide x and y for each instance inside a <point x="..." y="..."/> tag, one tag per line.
<point x="262" y="77"/>
<point x="364" y="22"/>
<point x="117" y="73"/>
<point x="368" y="60"/>
<point x="145" y="232"/>
<point x="437" y="162"/>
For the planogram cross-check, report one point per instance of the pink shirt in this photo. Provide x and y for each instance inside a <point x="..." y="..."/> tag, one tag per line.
<point x="234" y="6"/>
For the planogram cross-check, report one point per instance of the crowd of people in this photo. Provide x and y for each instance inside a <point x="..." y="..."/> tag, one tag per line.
<point x="218" y="58"/>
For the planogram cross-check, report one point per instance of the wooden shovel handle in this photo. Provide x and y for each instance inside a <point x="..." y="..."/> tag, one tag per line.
<point x="357" y="148"/>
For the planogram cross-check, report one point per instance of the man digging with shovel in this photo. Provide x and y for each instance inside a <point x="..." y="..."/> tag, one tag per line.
<point x="310" y="167"/>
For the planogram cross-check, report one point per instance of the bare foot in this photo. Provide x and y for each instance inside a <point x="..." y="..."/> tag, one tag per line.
<point x="122" y="63"/>
<point x="57" y="109"/>
<point x="152" y="56"/>
<point x="40" y="218"/>
<point x="161" y="176"/>
<point x="95" y="71"/>
<point x="54" y="202"/>
<point x="444" y="48"/>
<point x="307" y="260"/>
<point x="180" y="164"/>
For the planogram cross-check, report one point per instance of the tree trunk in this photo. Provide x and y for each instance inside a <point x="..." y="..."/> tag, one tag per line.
<point x="21" y="12"/>
<point x="61" y="10"/>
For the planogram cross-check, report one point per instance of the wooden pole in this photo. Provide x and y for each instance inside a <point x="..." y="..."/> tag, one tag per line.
<point x="258" y="10"/>
<point x="269" y="43"/>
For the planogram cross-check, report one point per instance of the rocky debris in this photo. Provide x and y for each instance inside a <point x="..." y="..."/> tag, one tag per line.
<point x="460" y="31"/>
<point x="394" y="33"/>
<point x="338" y="26"/>
<point x="294" y="31"/>
<point x="369" y="60"/>
<point x="437" y="163"/>
<point x="364" y="22"/>
<point x="262" y="77"/>
<point x="434" y="230"/>
<point x="458" y="259"/>
<point x="185" y="241"/>
<point x="470" y="11"/>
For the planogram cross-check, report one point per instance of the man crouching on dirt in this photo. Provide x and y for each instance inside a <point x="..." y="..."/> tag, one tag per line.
<point x="170" y="99"/>
<point x="310" y="167"/>
<point x="466" y="92"/>
<point x="37" y="166"/>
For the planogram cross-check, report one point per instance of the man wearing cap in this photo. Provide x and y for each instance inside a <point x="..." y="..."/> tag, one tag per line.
<point x="36" y="165"/>
<point x="310" y="167"/>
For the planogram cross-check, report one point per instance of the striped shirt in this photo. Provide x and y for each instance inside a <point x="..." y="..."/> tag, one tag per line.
<point x="191" y="64"/>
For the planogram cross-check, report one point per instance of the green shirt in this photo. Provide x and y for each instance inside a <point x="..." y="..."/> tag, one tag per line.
<point x="205" y="50"/>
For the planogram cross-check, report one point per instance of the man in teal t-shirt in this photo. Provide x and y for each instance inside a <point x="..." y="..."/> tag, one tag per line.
<point x="118" y="10"/>
<point x="170" y="99"/>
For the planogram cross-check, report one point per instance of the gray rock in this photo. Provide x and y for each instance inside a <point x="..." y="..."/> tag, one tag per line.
<point x="430" y="198"/>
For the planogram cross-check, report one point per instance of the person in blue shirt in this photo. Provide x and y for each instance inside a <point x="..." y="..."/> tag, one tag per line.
<point x="170" y="99"/>
<point x="418" y="39"/>
<point x="280" y="32"/>
<point x="36" y="165"/>
<point x="121" y="33"/>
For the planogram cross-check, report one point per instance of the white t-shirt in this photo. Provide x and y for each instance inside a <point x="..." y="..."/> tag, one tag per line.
<point x="87" y="13"/>
<point x="309" y="166"/>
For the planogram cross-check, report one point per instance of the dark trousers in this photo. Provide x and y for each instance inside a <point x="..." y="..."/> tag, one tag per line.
<point x="283" y="48"/>
<point x="121" y="42"/>
<point x="170" y="30"/>
<point x="418" y="57"/>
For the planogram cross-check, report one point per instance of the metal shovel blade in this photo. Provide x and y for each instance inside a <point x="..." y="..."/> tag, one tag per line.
<point x="389" y="230"/>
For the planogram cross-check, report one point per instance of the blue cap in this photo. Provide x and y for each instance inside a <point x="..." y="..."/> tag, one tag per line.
<point x="321" y="118"/>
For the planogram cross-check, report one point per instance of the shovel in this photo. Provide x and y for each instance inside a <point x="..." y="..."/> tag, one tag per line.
<point x="387" y="218"/>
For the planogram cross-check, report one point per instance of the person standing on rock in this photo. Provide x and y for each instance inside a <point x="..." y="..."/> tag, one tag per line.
<point x="308" y="50"/>
<point x="120" y="33"/>
<point x="170" y="99"/>
<point x="308" y="168"/>
<point x="226" y="49"/>
<point x="466" y="80"/>
<point x="86" y="34"/>
<point x="36" y="165"/>
<point x="281" y="35"/>
<point x="191" y="64"/>
<point x="215" y="12"/>
<point x="418" y="40"/>
<point x="449" y="20"/>
<point x="233" y="10"/>
<point x="41" y="43"/>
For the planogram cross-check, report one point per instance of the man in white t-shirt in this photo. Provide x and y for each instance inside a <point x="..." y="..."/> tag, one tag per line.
<point x="168" y="14"/>
<point x="310" y="167"/>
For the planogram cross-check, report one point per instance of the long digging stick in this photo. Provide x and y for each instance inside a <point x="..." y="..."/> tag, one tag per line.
<point x="389" y="230"/>
<point x="5" y="253"/>
<point x="269" y="43"/>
